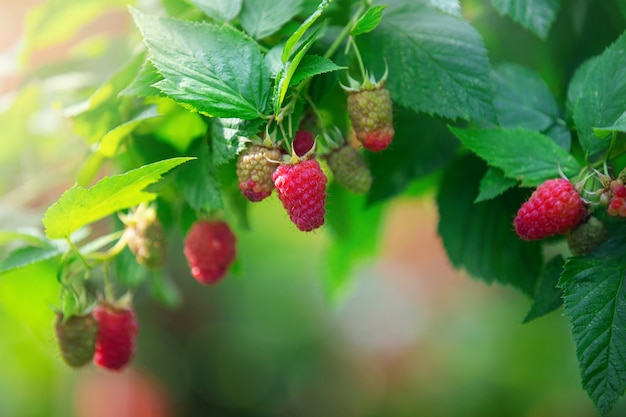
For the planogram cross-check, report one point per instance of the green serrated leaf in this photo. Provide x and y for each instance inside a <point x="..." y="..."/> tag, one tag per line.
<point x="355" y="236"/>
<point x="191" y="56"/>
<point x="493" y="184"/>
<point x="595" y="303"/>
<point x="523" y="99"/>
<point x="597" y="96"/>
<point x="199" y="182"/>
<point x="437" y="63"/>
<point x="312" y="65"/>
<point x="421" y="145"/>
<point x="229" y="137"/>
<point x="369" y="21"/>
<point x="80" y="206"/>
<point x="262" y="18"/>
<point x="111" y="141"/>
<point x="222" y="10"/>
<point x="284" y="77"/>
<point x="480" y="237"/>
<point x="618" y="126"/>
<point x="31" y="235"/>
<point x="29" y="255"/>
<point x="299" y="33"/>
<point x="549" y="296"/>
<point x="535" y="15"/>
<point x="521" y="154"/>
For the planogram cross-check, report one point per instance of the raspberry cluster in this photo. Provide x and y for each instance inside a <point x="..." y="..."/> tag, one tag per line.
<point x="614" y="197"/>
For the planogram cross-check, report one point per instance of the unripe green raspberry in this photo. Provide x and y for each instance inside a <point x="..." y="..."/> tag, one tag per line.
<point x="350" y="169"/>
<point x="146" y="239"/>
<point x="255" y="167"/>
<point x="371" y="115"/>
<point x="585" y="237"/>
<point x="76" y="336"/>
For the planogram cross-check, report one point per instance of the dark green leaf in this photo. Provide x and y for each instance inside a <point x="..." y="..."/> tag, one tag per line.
<point x="29" y="255"/>
<point x="369" y="21"/>
<point x="480" y="237"/>
<point x="261" y="18"/>
<point x="535" y="15"/>
<point x="597" y="93"/>
<point x="521" y="154"/>
<point x="312" y="65"/>
<point x="493" y="184"/>
<point x="223" y="10"/>
<point x="421" y="146"/>
<point x="438" y="63"/>
<point x="213" y="69"/>
<point x="595" y="303"/>
<point x="128" y="271"/>
<point x="199" y="182"/>
<point x="618" y="126"/>
<point x="356" y="236"/>
<point x="523" y="99"/>
<point x="549" y="296"/>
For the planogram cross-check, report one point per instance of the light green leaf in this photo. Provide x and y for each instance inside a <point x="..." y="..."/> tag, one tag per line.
<point x="210" y="68"/>
<point x="299" y="33"/>
<point x="32" y="236"/>
<point x="223" y="10"/>
<point x="369" y="21"/>
<point x="597" y="94"/>
<point x="521" y="154"/>
<point x="479" y="237"/>
<point x="595" y="303"/>
<point x="142" y="84"/>
<point x="535" y="15"/>
<point x="111" y="141"/>
<point x="261" y="18"/>
<point x="229" y="137"/>
<point x="452" y="7"/>
<point x="312" y="65"/>
<point x="80" y="206"/>
<point x="437" y="63"/>
<point x="493" y="184"/>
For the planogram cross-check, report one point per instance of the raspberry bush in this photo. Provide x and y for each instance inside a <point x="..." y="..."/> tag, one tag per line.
<point x="339" y="107"/>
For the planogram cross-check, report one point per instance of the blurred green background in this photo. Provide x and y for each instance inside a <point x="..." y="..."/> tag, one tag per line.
<point x="410" y="337"/>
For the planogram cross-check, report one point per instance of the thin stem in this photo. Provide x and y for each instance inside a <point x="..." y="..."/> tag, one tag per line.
<point x="77" y="253"/>
<point x="109" y="294"/>
<point x="357" y="53"/>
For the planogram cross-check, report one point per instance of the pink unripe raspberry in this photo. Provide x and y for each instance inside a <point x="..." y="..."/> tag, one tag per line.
<point x="553" y="208"/>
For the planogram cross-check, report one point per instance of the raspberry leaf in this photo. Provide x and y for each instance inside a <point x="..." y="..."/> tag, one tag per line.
<point x="199" y="182"/>
<point x="313" y="65"/>
<point x="369" y="21"/>
<point x="549" y="296"/>
<point x="222" y="10"/>
<point x="521" y="154"/>
<point x="595" y="303"/>
<point x="535" y="15"/>
<point x="262" y="18"/>
<point x="523" y="99"/>
<point x="596" y="96"/>
<point x="437" y="63"/>
<point x="189" y="55"/>
<point x="293" y="40"/>
<point x="79" y="206"/>
<point x="487" y="247"/>
<point x="143" y="83"/>
<point x="229" y="137"/>
<point x="493" y="184"/>
<point x="618" y="126"/>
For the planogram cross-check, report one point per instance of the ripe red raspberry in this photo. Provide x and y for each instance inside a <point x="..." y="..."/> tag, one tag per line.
<point x="77" y="338"/>
<point x="350" y="169"/>
<point x="371" y="115"/>
<point x="301" y="188"/>
<point x="255" y="166"/>
<point x="554" y="208"/>
<point x="210" y="250"/>
<point x="146" y="239"/>
<point x="617" y="207"/>
<point x="117" y="334"/>
<point x="303" y="142"/>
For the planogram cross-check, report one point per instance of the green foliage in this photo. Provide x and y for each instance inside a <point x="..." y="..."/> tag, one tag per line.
<point x="549" y="295"/>
<point x="535" y="15"/>
<point x="81" y="206"/>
